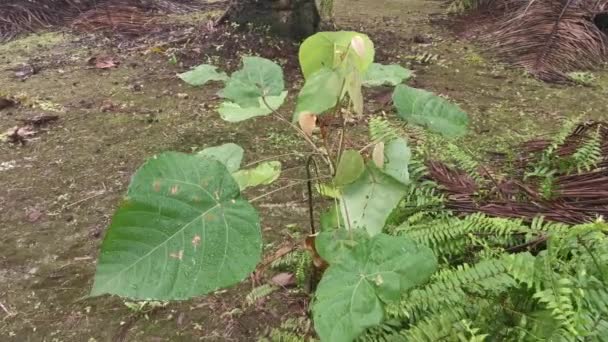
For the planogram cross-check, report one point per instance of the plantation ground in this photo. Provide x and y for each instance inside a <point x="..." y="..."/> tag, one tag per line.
<point x="59" y="190"/>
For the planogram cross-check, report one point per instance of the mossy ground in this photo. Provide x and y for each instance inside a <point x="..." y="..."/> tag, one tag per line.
<point x="74" y="174"/>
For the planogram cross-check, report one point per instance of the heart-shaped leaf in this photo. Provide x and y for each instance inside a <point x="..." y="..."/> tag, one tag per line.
<point x="391" y="75"/>
<point x="350" y="168"/>
<point x="353" y="291"/>
<point x="426" y="109"/>
<point x="320" y="92"/>
<point x="202" y="74"/>
<point x="327" y="49"/>
<point x="263" y="174"/>
<point x="367" y="203"/>
<point x="229" y="154"/>
<point x="259" y="77"/>
<point x="233" y="112"/>
<point x="183" y="231"/>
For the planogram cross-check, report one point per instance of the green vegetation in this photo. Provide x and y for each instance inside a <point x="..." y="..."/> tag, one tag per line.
<point x="185" y="230"/>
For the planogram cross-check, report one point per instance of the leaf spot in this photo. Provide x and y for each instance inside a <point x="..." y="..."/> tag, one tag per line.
<point x="196" y="241"/>
<point x="156" y="185"/>
<point x="174" y="189"/>
<point x="177" y="255"/>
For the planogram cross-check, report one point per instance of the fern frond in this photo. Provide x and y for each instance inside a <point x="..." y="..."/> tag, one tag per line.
<point x="258" y="293"/>
<point x="465" y="162"/>
<point x="380" y="130"/>
<point x="451" y="287"/>
<point x="589" y="154"/>
<point x="451" y="235"/>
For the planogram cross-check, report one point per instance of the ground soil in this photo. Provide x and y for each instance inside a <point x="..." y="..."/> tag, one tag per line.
<point x="59" y="189"/>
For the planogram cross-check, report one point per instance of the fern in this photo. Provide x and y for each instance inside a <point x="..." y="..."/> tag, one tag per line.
<point x="589" y="154"/>
<point x="466" y="162"/>
<point x="482" y="292"/>
<point x="380" y="130"/>
<point x="452" y="235"/>
<point x="258" y="293"/>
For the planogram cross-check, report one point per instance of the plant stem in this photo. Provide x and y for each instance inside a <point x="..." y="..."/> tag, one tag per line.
<point x="277" y="190"/>
<point x="278" y="116"/>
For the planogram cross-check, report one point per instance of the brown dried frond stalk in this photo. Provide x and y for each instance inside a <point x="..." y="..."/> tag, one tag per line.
<point x="576" y="197"/>
<point x="550" y="38"/>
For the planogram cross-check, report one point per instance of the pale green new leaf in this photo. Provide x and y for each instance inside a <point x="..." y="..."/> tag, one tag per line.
<point x="426" y="109"/>
<point x="202" y="74"/>
<point x="328" y="190"/>
<point x="397" y="157"/>
<point x="327" y="49"/>
<point x="259" y="77"/>
<point x="228" y="154"/>
<point x="263" y="174"/>
<point x="233" y="112"/>
<point x="353" y="89"/>
<point x="320" y="92"/>
<point x="350" y="168"/>
<point x="353" y="291"/>
<point x="391" y="75"/>
<point x="367" y="203"/>
<point x="183" y="231"/>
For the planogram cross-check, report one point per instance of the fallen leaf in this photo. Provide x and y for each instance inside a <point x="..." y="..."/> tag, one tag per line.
<point x="33" y="214"/>
<point x="24" y="71"/>
<point x="307" y="122"/>
<point x="18" y="134"/>
<point x="103" y="62"/>
<point x="284" y="279"/>
<point x="30" y="127"/>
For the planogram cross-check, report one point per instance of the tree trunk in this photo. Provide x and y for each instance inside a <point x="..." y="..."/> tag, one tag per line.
<point x="296" y="19"/>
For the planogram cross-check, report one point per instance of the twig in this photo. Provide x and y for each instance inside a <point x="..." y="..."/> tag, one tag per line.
<point x="84" y="199"/>
<point x="276" y="190"/>
<point x="8" y="313"/>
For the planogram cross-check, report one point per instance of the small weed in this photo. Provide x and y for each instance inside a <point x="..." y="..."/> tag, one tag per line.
<point x="584" y="78"/>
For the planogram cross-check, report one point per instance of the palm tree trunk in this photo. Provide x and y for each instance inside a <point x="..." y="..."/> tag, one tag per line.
<point x="296" y="19"/>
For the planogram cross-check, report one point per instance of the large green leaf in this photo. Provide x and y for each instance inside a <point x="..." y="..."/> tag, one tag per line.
<point x="353" y="291"/>
<point x="327" y="49"/>
<point x="396" y="160"/>
<point x="259" y="77"/>
<point x="233" y="112"/>
<point x="262" y="174"/>
<point x="350" y="167"/>
<point x="228" y="154"/>
<point x="367" y="203"/>
<point x="330" y="219"/>
<point x="392" y="75"/>
<point x="426" y="109"/>
<point x="183" y="231"/>
<point x="320" y="92"/>
<point x="334" y="245"/>
<point x="202" y="74"/>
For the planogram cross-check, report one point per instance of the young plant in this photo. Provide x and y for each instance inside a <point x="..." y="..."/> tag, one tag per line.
<point x="185" y="229"/>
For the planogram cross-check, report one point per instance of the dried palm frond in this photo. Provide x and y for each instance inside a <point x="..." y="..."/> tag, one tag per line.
<point x="576" y="196"/>
<point x="550" y="38"/>
<point x="18" y="16"/>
